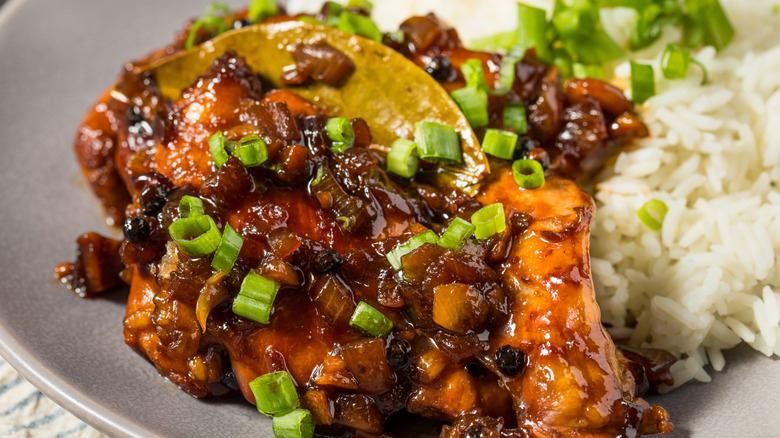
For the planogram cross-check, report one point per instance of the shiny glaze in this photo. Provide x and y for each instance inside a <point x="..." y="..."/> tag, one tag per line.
<point x="532" y="280"/>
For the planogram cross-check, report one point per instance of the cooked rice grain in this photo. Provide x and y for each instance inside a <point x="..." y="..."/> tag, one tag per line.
<point x="710" y="278"/>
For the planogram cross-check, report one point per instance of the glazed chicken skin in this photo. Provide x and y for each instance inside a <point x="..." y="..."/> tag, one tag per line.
<point x="501" y="338"/>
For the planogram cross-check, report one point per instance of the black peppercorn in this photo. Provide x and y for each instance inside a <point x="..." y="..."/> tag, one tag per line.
<point x="510" y="360"/>
<point x="152" y="199"/>
<point x="475" y="368"/>
<point x="134" y="116"/>
<point x="440" y="68"/>
<point x="327" y="261"/>
<point x="524" y="146"/>
<point x="136" y="229"/>
<point x="398" y="353"/>
<point x="475" y="432"/>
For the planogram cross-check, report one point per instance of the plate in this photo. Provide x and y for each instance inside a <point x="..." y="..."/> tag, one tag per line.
<point x="55" y="59"/>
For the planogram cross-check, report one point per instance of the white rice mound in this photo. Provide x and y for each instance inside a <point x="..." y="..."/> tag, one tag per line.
<point x="710" y="278"/>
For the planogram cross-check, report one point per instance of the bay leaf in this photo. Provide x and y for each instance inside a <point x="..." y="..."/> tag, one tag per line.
<point x="387" y="90"/>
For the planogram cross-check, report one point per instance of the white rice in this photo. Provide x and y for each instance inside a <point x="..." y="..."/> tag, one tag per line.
<point x="710" y="278"/>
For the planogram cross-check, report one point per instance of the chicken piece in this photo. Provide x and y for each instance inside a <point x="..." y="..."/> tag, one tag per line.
<point x="574" y="383"/>
<point x="322" y="224"/>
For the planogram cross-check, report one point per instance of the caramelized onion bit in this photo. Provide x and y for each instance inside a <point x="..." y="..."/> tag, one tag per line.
<point x="322" y="62"/>
<point x="211" y="295"/>
<point x="609" y="96"/>
<point x="459" y="307"/>
<point x="316" y="401"/>
<point x="333" y="299"/>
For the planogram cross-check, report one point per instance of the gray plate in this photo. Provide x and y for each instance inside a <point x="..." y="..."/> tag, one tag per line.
<point x="55" y="59"/>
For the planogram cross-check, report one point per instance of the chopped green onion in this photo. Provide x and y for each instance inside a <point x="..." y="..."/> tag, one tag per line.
<point x="499" y="143"/>
<point x="341" y="134"/>
<point x="587" y="71"/>
<point x="251" y="150"/>
<point x="437" y="143"/>
<point x="255" y="299"/>
<point x="714" y="25"/>
<point x="528" y="174"/>
<point x="394" y="256"/>
<point x="311" y="20"/>
<point x="190" y="206"/>
<point x="506" y="74"/>
<point x="228" y="250"/>
<point x="562" y="60"/>
<point x="190" y="41"/>
<point x="456" y="234"/>
<point x="494" y="43"/>
<point x="365" y="5"/>
<point x="275" y="393"/>
<point x="642" y="82"/>
<point x="214" y="24"/>
<point x="473" y="102"/>
<point x="196" y="235"/>
<point x="370" y="320"/>
<point x="295" y="424"/>
<point x="514" y="117"/>
<point x="346" y="223"/>
<point x="488" y="221"/>
<point x="704" y="74"/>
<point x="532" y="30"/>
<point x="320" y="174"/>
<point x="334" y="13"/>
<point x="402" y="159"/>
<point x="596" y="48"/>
<point x="653" y="213"/>
<point x="217" y="149"/>
<point x="675" y="61"/>
<point x="259" y="10"/>
<point x="473" y="74"/>
<point x="351" y="22"/>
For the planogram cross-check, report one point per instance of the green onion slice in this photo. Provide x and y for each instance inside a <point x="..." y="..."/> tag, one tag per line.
<point x="196" y="235"/>
<point x="259" y="10"/>
<point x="402" y="159"/>
<point x="675" y="61"/>
<point x="532" y="30"/>
<point x="295" y="424"/>
<point x="251" y="150"/>
<point x="365" y="5"/>
<point x="473" y="74"/>
<point x="341" y="134"/>
<point x="587" y="71"/>
<point x="642" y="82"/>
<point x="456" y="234"/>
<point x="713" y="25"/>
<point x="437" y="143"/>
<point x="334" y="13"/>
<point x="228" y="250"/>
<point x="528" y="174"/>
<point x="499" y="143"/>
<point x="370" y="320"/>
<point x="473" y="102"/>
<point x="653" y="213"/>
<point x="494" y="43"/>
<point x="488" y="220"/>
<point x="255" y="299"/>
<point x="190" y="206"/>
<point x="275" y="393"/>
<point x="217" y="148"/>
<point x="351" y="22"/>
<point x="506" y="75"/>
<point x="514" y="117"/>
<point x="704" y="74"/>
<point x="394" y="256"/>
